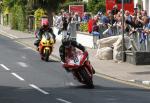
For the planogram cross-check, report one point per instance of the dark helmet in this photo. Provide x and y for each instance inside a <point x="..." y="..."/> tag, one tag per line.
<point x="66" y="41"/>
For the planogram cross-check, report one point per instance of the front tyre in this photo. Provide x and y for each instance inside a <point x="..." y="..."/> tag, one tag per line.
<point x="86" y="78"/>
<point x="46" y="54"/>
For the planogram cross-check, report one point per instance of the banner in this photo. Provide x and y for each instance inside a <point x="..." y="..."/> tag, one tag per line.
<point x="77" y="8"/>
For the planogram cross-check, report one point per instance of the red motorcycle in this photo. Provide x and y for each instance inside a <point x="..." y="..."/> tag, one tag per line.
<point x="77" y="62"/>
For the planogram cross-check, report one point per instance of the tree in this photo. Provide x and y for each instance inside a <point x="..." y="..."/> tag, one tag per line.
<point x="14" y="10"/>
<point x="95" y="5"/>
<point x="49" y="5"/>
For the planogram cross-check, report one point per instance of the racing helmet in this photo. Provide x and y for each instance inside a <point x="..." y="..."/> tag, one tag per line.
<point x="66" y="41"/>
<point x="45" y="22"/>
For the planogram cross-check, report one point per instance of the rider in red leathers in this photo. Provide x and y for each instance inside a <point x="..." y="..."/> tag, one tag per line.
<point x="68" y="43"/>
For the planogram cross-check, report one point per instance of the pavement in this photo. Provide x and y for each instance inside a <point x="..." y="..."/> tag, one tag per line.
<point x="120" y="71"/>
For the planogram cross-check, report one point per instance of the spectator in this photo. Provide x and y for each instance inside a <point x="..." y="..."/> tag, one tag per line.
<point x="128" y="16"/>
<point x="77" y="20"/>
<point x="115" y="10"/>
<point x="91" y="22"/>
<point x="59" y="23"/>
<point x="103" y="21"/>
<point x="95" y="33"/>
<point x="145" y="19"/>
<point x="112" y="22"/>
<point x="62" y="24"/>
<point x="65" y="25"/>
<point x="85" y="17"/>
<point x="72" y="27"/>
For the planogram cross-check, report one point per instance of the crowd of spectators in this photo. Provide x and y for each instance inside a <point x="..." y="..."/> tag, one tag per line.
<point x="108" y="24"/>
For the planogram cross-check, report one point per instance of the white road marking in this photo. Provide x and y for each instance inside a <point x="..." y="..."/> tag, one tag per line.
<point x="70" y="84"/>
<point x="8" y="35"/>
<point x="24" y="57"/>
<point x="4" y="67"/>
<point x="62" y="100"/>
<point x="22" y="64"/>
<point x="27" y="47"/>
<point x="37" y="88"/>
<point x="17" y="76"/>
<point x="131" y="80"/>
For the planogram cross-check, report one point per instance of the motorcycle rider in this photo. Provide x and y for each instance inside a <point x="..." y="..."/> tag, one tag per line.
<point x="45" y="27"/>
<point x="68" y="43"/>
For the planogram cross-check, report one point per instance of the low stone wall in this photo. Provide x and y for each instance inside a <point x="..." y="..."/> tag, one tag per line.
<point x="138" y="58"/>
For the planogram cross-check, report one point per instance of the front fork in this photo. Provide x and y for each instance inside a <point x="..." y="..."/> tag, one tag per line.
<point x="88" y="68"/>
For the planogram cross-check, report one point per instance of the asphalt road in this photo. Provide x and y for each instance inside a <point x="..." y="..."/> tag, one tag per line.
<point x="24" y="78"/>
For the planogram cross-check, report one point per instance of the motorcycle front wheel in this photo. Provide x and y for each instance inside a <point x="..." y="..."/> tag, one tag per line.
<point x="46" y="54"/>
<point x="86" y="78"/>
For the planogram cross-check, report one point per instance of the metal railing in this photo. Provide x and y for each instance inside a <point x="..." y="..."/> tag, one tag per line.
<point x="140" y="40"/>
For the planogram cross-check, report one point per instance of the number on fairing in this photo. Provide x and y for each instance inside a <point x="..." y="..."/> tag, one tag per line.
<point x="76" y="60"/>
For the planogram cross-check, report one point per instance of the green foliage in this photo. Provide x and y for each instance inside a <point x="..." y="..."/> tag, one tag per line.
<point x="14" y="17"/>
<point x="19" y="9"/>
<point x="140" y="5"/>
<point x="38" y="15"/>
<point x="84" y="27"/>
<point x="69" y="0"/>
<point x="21" y="18"/>
<point x="100" y="6"/>
<point x="18" y="18"/>
<point x="49" y="5"/>
<point x="45" y="4"/>
<point x="14" y="10"/>
<point x="11" y="3"/>
<point x="95" y="5"/>
<point x="91" y="5"/>
<point x="5" y="5"/>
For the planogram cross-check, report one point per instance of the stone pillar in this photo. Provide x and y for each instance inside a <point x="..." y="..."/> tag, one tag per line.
<point x="31" y="23"/>
<point x="2" y="19"/>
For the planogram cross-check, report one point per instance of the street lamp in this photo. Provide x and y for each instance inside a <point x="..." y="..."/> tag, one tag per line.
<point x="123" y="41"/>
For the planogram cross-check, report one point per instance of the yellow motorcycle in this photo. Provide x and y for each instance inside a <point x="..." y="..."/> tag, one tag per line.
<point x="46" y="46"/>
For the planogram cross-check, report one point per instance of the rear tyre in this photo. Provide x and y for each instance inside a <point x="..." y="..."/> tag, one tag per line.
<point x="86" y="78"/>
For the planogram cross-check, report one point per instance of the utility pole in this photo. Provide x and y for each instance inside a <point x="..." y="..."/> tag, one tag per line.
<point x="123" y="41"/>
<point x="1" y="6"/>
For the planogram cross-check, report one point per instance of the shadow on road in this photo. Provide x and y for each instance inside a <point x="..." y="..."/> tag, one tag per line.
<point x="72" y="93"/>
